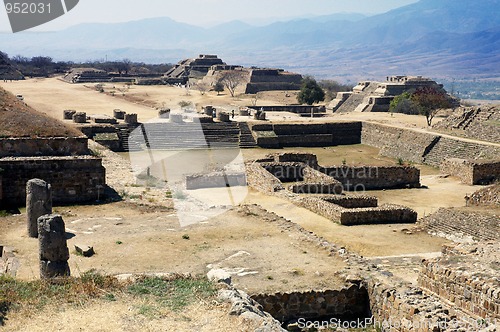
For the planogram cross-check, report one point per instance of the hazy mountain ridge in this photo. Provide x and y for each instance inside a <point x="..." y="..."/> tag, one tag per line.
<point x="449" y="34"/>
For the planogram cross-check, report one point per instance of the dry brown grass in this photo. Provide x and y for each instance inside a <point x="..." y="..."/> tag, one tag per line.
<point x="161" y="293"/>
<point x="19" y="120"/>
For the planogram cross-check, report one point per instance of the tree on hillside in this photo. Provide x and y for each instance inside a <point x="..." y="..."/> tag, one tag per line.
<point x="429" y="100"/>
<point x="231" y="79"/>
<point x="332" y="87"/>
<point x="218" y="87"/>
<point x="310" y="92"/>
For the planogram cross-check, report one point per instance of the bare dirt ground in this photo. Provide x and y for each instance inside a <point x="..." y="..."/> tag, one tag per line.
<point x="52" y="96"/>
<point x="142" y="233"/>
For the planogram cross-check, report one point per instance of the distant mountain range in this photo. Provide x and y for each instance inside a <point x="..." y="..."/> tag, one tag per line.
<point x="437" y="38"/>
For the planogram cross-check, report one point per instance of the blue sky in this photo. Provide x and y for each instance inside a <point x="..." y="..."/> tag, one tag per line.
<point x="208" y="12"/>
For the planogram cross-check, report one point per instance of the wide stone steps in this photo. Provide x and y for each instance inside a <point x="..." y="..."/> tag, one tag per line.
<point x="184" y="136"/>
<point x="246" y="138"/>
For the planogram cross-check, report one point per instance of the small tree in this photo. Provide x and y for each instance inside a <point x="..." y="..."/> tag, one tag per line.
<point x="231" y="79"/>
<point x="331" y="88"/>
<point x="310" y="92"/>
<point x="218" y="87"/>
<point x="403" y="104"/>
<point x="202" y="87"/>
<point x="429" y="100"/>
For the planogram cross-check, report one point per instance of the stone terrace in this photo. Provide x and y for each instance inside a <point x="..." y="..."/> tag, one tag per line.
<point x="467" y="276"/>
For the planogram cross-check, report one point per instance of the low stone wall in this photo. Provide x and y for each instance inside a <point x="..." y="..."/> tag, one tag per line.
<point x="462" y="224"/>
<point x="348" y="303"/>
<point x="215" y="180"/>
<point x="352" y="201"/>
<point x="306" y="158"/>
<point x="260" y="179"/>
<point x="459" y="278"/>
<point x="73" y="179"/>
<point x="286" y="172"/>
<point x="472" y="172"/>
<point x="387" y="213"/>
<point x="54" y="146"/>
<point x="320" y="206"/>
<point x="299" y="134"/>
<point x="374" y="177"/>
<point x="298" y="109"/>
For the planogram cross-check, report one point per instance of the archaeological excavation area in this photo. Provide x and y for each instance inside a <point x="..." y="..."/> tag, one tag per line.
<point x="300" y="216"/>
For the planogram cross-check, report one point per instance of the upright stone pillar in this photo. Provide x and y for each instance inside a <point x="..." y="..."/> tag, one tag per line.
<point x="38" y="203"/>
<point x="54" y="253"/>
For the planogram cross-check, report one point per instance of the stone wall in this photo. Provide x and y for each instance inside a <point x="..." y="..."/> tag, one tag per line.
<point x="73" y="179"/>
<point x="421" y="147"/>
<point x="268" y="177"/>
<point x="489" y="196"/>
<point x="299" y="134"/>
<point x="260" y="179"/>
<point x="397" y="142"/>
<point x="466" y="276"/>
<point x="352" y="201"/>
<point x="348" y="303"/>
<point x="374" y="177"/>
<point x="54" y="146"/>
<point x="447" y="147"/>
<point x="408" y="309"/>
<point x="462" y="224"/>
<point x="215" y="180"/>
<point x="387" y="213"/>
<point x="297" y="109"/>
<point x="472" y="172"/>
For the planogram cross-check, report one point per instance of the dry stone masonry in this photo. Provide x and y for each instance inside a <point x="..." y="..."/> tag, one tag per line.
<point x="54" y="253"/>
<point x="462" y="225"/>
<point x="467" y="276"/>
<point x="271" y="177"/>
<point x="38" y="203"/>
<point x="424" y="148"/>
<point x="472" y="172"/>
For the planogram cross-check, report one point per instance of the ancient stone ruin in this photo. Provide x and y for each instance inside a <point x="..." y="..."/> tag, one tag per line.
<point x="472" y="172"/>
<point x="86" y="75"/>
<point x="294" y="176"/>
<point x="38" y="203"/>
<point x="197" y="67"/>
<point x="370" y="96"/>
<point x="54" y="253"/>
<point x="58" y="155"/>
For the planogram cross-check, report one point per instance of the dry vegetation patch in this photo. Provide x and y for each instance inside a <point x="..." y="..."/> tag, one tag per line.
<point x="19" y="120"/>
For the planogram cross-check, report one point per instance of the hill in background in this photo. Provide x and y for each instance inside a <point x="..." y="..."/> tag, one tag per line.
<point x="436" y="38"/>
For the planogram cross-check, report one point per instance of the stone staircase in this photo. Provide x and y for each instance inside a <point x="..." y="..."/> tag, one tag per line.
<point x="359" y="102"/>
<point x="479" y="122"/>
<point x="479" y="226"/>
<point x="247" y="140"/>
<point x="171" y="136"/>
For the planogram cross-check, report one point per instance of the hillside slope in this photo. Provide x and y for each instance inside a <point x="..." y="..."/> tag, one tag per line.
<point x="19" y="120"/>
